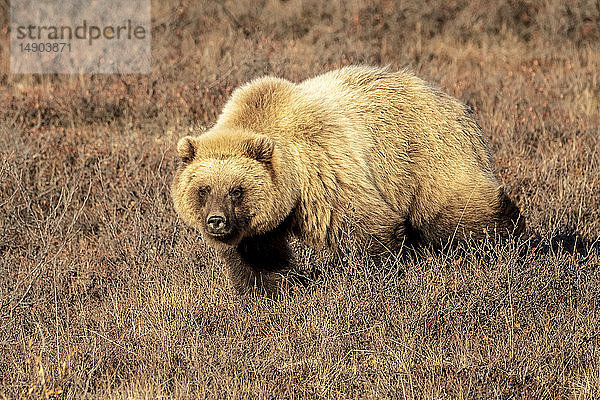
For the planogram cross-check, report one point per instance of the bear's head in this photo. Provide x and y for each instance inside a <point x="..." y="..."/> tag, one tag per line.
<point x="230" y="185"/>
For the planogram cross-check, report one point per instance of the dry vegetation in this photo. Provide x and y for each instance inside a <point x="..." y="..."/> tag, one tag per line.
<point x="105" y="294"/>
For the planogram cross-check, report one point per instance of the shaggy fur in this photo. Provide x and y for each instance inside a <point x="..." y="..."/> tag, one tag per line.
<point x="383" y="151"/>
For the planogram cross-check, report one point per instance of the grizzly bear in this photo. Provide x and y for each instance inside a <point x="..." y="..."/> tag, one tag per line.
<point x="381" y="154"/>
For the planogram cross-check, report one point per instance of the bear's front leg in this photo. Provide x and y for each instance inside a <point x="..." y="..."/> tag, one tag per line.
<point x="258" y="262"/>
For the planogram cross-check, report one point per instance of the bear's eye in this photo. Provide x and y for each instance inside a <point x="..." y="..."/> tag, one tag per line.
<point x="203" y="192"/>
<point x="236" y="193"/>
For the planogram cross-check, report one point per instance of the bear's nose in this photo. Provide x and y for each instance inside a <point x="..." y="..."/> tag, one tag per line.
<point x="217" y="224"/>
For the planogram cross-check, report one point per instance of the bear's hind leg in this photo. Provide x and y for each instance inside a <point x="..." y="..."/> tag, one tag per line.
<point x="483" y="213"/>
<point x="394" y="236"/>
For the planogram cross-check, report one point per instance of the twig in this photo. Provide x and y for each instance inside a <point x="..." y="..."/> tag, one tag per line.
<point x="233" y="20"/>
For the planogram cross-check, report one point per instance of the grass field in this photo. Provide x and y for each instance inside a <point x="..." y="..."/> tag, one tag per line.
<point x="104" y="293"/>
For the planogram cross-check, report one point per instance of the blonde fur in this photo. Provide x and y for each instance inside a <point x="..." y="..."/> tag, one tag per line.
<point x="381" y="150"/>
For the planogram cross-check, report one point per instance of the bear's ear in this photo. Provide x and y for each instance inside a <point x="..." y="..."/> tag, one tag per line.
<point x="186" y="148"/>
<point x="260" y="148"/>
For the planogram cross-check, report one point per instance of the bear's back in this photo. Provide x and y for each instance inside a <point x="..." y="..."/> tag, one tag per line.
<point x="414" y="136"/>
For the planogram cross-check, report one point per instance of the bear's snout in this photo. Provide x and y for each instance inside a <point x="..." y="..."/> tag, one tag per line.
<point x="217" y="225"/>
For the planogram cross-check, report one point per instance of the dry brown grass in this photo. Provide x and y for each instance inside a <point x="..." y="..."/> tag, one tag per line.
<point x="105" y="294"/>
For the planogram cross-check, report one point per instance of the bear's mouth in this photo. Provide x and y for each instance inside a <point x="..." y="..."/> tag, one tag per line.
<point x="228" y="238"/>
<point x="220" y="236"/>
